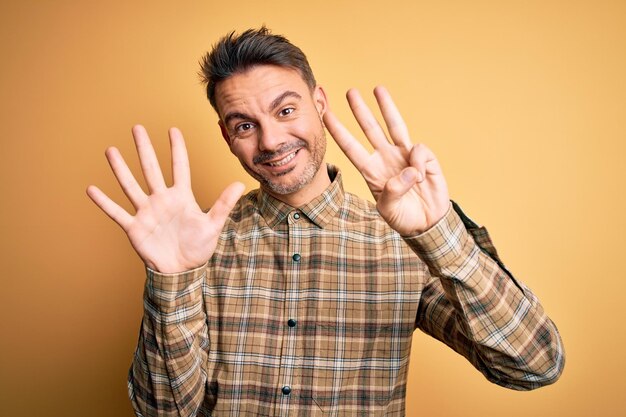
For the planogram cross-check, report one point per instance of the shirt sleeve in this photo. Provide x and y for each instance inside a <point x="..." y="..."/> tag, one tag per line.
<point x="475" y="306"/>
<point x="168" y="376"/>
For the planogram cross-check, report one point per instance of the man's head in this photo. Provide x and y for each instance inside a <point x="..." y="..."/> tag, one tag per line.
<point x="270" y="112"/>
<point x="237" y="53"/>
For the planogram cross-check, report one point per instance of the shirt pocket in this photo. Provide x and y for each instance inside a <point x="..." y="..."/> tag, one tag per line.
<point x="355" y="365"/>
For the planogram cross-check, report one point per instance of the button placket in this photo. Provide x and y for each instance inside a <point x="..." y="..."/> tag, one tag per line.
<point x="289" y="362"/>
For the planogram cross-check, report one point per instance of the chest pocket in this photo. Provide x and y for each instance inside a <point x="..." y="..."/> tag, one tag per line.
<point x="357" y="358"/>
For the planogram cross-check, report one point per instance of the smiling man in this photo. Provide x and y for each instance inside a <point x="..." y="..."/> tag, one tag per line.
<point x="300" y="298"/>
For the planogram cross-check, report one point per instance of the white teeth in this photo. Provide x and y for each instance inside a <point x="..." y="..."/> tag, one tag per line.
<point x="282" y="161"/>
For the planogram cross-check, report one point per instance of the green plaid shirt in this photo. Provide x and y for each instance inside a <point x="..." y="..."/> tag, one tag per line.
<point x="311" y="311"/>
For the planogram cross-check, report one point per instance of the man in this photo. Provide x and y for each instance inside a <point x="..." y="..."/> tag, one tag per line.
<point x="299" y="298"/>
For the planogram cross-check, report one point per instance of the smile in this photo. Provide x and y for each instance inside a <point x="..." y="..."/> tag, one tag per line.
<point x="283" y="161"/>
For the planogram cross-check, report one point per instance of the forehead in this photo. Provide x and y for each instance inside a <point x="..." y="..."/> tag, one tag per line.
<point x="256" y="87"/>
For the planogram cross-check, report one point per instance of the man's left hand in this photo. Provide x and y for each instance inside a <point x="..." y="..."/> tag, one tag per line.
<point x="405" y="178"/>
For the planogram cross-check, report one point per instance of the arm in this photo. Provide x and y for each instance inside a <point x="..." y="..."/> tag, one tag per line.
<point x="171" y="234"/>
<point x="478" y="309"/>
<point x="472" y="304"/>
<point x="168" y="375"/>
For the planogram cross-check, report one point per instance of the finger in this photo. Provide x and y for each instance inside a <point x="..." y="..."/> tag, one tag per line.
<point x="355" y="152"/>
<point x="364" y="116"/>
<point x="225" y="203"/>
<point x="114" y="211"/>
<point x="180" y="159"/>
<point x="398" y="186"/>
<point x="147" y="157"/>
<point x="395" y="124"/>
<point x="125" y="177"/>
<point x="422" y="159"/>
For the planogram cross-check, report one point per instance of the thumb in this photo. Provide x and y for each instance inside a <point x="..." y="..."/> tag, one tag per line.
<point x="398" y="186"/>
<point x="225" y="203"/>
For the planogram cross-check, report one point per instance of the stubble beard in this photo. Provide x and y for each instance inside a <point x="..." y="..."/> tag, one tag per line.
<point x="316" y="151"/>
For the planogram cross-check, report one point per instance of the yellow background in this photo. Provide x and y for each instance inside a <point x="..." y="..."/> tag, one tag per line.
<point x="524" y="102"/>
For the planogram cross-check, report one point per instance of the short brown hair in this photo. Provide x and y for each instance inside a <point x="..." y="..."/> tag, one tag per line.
<point x="237" y="53"/>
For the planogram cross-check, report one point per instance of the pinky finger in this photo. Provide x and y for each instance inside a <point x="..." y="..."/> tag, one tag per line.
<point x="110" y="208"/>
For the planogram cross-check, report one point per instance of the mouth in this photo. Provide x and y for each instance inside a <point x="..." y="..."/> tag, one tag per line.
<point x="283" y="160"/>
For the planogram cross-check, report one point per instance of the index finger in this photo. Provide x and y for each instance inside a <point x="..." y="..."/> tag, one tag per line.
<point x="355" y="152"/>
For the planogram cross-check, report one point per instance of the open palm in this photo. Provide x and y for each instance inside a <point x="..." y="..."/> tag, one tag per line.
<point x="169" y="231"/>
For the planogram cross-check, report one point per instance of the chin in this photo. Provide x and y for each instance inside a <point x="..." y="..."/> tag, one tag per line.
<point x="290" y="181"/>
<point x="284" y="188"/>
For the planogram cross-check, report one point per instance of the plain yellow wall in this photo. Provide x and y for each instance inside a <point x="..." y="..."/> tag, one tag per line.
<point x="524" y="102"/>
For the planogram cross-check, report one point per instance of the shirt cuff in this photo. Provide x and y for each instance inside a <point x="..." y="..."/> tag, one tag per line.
<point x="443" y="244"/>
<point x="171" y="290"/>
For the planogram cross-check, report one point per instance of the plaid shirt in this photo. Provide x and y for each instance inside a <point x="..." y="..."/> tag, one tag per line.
<point x="311" y="311"/>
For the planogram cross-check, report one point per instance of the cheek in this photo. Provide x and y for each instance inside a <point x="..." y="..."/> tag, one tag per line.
<point x="308" y="128"/>
<point x="244" y="151"/>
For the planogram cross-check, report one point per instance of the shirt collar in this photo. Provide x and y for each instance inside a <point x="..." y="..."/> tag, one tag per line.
<point x="321" y="210"/>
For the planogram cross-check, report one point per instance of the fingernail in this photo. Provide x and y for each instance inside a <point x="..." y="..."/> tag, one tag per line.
<point x="408" y="176"/>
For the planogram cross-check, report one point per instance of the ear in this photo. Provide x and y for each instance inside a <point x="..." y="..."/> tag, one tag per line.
<point x="321" y="103"/>
<point x="224" y="132"/>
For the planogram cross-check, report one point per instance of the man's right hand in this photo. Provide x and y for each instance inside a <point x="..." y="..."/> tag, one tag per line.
<point x="169" y="231"/>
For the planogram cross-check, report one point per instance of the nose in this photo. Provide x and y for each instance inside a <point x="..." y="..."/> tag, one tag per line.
<point x="270" y="137"/>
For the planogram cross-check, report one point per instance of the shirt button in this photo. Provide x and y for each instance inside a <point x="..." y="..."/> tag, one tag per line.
<point x="296" y="216"/>
<point x="286" y="390"/>
<point x="291" y="323"/>
<point x="296" y="257"/>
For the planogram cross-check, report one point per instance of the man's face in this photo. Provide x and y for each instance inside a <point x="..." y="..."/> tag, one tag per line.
<point x="272" y="123"/>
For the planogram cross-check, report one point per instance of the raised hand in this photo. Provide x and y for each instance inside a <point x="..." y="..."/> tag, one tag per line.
<point x="405" y="179"/>
<point x="169" y="231"/>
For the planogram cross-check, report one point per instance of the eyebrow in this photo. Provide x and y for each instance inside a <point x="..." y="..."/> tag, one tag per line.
<point x="278" y="100"/>
<point x="273" y="105"/>
<point x="235" y="115"/>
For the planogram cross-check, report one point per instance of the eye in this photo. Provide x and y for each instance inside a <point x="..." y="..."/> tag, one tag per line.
<point x="243" y="127"/>
<point x="287" y="111"/>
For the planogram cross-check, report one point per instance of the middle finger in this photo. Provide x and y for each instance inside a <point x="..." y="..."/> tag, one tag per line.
<point x="370" y="126"/>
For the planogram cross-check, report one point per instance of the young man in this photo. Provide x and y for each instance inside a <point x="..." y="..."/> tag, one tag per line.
<point x="299" y="298"/>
